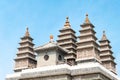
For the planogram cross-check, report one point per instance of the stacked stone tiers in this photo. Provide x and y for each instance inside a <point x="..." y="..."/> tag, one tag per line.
<point x="25" y="57"/>
<point x="67" y="40"/>
<point x="106" y="55"/>
<point x="87" y="47"/>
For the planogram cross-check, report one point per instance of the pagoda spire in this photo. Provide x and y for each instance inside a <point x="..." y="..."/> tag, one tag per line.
<point x="87" y="19"/>
<point x="67" y="40"/>
<point x="87" y="47"/>
<point x="27" y="32"/>
<point x="26" y="57"/>
<point x="104" y="36"/>
<point x="67" y="23"/>
<point x="106" y="56"/>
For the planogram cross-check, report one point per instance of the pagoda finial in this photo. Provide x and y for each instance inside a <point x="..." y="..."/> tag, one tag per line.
<point x="67" y="18"/>
<point x="103" y="31"/>
<point x="27" y="32"/>
<point x="51" y="38"/>
<point x="67" y="23"/>
<point x="104" y="36"/>
<point x="87" y="19"/>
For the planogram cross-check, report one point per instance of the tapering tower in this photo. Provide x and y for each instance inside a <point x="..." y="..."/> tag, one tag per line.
<point x="67" y="40"/>
<point x="25" y="57"/>
<point x="87" y="47"/>
<point x="106" y="56"/>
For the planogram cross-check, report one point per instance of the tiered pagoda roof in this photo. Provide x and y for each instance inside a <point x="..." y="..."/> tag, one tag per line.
<point x="106" y="54"/>
<point x="67" y="40"/>
<point x="25" y="57"/>
<point x="87" y="47"/>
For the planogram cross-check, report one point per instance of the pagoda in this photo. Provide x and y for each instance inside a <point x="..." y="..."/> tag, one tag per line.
<point x="87" y="47"/>
<point x="67" y="40"/>
<point x="106" y="56"/>
<point x="25" y="57"/>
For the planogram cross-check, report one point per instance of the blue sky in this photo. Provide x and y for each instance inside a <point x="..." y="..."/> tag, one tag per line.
<point x="46" y="17"/>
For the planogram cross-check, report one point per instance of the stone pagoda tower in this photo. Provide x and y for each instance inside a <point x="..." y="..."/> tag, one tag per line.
<point x="67" y="40"/>
<point x="87" y="50"/>
<point x="106" y="56"/>
<point x="25" y="57"/>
